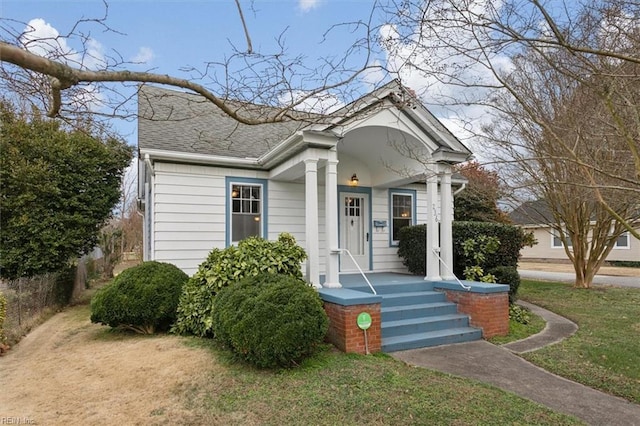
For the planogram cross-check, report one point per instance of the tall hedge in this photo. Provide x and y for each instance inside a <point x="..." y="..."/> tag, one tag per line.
<point x="251" y="257"/>
<point x="512" y="240"/>
<point x="412" y="248"/>
<point x="58" y="187"/>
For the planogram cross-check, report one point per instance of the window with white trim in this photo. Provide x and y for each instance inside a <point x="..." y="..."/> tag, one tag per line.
<point x="246" y="211"/>
<point x="401" y="214"/>
<point x="622" y="241"/>
<point x="556" y="242"/>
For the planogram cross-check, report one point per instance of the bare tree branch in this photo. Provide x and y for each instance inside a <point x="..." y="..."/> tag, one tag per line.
<point x="246" y="29"/>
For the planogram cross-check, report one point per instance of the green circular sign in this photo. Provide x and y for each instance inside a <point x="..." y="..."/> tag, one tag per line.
<point x="364" y="320"/>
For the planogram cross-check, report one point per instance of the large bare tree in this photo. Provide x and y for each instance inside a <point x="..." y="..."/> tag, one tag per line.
<point x="573" y="146"/>
<point x="558" y="87"/>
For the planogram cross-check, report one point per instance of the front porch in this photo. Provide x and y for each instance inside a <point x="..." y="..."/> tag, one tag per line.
<point x="409" y="312"/>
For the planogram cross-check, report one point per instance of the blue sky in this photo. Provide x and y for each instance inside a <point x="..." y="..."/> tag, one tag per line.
<point x="166" y="36"/>
<point x="170" y="35"/>
<point x="194" y="31"/>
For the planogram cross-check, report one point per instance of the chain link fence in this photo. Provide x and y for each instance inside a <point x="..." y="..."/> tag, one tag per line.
<point x="28" y="299"/>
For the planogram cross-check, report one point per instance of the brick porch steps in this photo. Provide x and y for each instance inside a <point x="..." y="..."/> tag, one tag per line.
<point x="431" y="338"/>
<point x="413" y="315"/>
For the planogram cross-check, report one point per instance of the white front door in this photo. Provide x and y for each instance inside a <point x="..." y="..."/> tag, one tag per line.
<point x="354" y="230"/>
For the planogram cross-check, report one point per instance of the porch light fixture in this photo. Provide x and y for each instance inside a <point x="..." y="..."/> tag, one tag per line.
<point x="354" y="180"/>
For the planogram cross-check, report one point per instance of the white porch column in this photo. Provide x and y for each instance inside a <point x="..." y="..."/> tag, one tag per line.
<point x="433" y="264"/>
<point x="446" y="219"/>
<point x="311" y="221"/>
<point x="331" y="221"/>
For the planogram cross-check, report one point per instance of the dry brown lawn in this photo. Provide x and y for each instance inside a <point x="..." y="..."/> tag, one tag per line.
<point x="68" y="371"/>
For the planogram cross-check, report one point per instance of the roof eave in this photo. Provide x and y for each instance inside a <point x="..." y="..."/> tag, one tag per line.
<point x="196" y="158"/>
<point x="294" y="144"/>
<point x="445" y="155"/>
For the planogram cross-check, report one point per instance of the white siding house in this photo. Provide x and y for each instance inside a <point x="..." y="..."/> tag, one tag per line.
<point x="535" y="217"/>
<point x="339" y="182"/>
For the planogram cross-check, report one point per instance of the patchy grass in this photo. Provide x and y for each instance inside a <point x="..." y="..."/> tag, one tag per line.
<point x="336" y="388"/>
<point x="519" y="331"/>
<point x="167" y="379"/>
<point x="605" y="351"/>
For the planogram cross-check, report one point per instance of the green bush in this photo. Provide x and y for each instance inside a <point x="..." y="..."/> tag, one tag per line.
<point x="224" y="267"/>
<point x="512" y="240"/>
<point x="412" y="248"/>
<point x="507" y="275"/>
<point x="477" y="250"/>
<point x="625" y="263"/>
<point x="142" y="298"/>
<point x="270" y="320"/>
<point x="3" y="316"/>
<point x="63" y="287"/>
<point x="519" y="314"/>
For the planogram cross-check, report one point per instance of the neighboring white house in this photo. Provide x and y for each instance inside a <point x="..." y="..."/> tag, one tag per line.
<point x="534" y="217"/>
<point x="341" y="181"/>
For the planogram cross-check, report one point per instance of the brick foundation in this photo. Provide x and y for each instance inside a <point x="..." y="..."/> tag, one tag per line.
<point x="488" y="311"/>
<point x="343" y="329"/>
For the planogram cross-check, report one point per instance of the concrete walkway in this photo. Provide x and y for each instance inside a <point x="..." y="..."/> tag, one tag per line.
<point x="499" y="366"/>
<point x="557" y="329"/>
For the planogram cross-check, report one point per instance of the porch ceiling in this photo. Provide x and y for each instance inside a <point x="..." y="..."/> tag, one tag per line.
<point x="392" y="156"/>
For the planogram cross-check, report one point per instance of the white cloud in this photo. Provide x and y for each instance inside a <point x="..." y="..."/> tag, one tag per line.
<point x="144" y="55"/>
<point x="307" y="5"/>
<point x="41" y="38"/>
<point x="374" y="75"/>
<point x="320" y="103"/>
<point x="617" y="29"/>
<point x="446" y="81"/>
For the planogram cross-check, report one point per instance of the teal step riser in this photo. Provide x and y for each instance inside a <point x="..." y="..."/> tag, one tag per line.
<point x="436" y="341"/>
<point x="423" y="327"/>
<point x="382" y="289"/>
<point x="426" y="297"/>
<point x="417" y="312"/>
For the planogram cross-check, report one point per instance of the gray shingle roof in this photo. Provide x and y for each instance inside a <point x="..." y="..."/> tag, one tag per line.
<point x="183" y="122"/>
<point x="532" y="213"/>
<point x="177" y="121"/>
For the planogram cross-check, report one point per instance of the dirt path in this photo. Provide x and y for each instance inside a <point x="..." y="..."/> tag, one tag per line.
<point x="69" y="371"/>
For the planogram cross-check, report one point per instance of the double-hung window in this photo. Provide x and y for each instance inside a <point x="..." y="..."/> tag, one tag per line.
<point x="622" y="241"/>
<point x="246" y="210"/>
<point x="402" y="206"/>
<point x="556" y="241"/>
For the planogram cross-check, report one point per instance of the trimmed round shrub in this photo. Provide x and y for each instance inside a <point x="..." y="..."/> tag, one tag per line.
<point x="507" y="275"/>
<point x="143" y="298"/>
<point x="270" y="320"/>
<point x="222" y="268"/>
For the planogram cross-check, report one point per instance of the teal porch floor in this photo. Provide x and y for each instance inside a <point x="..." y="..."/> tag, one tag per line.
<point x="355" y="280"/>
